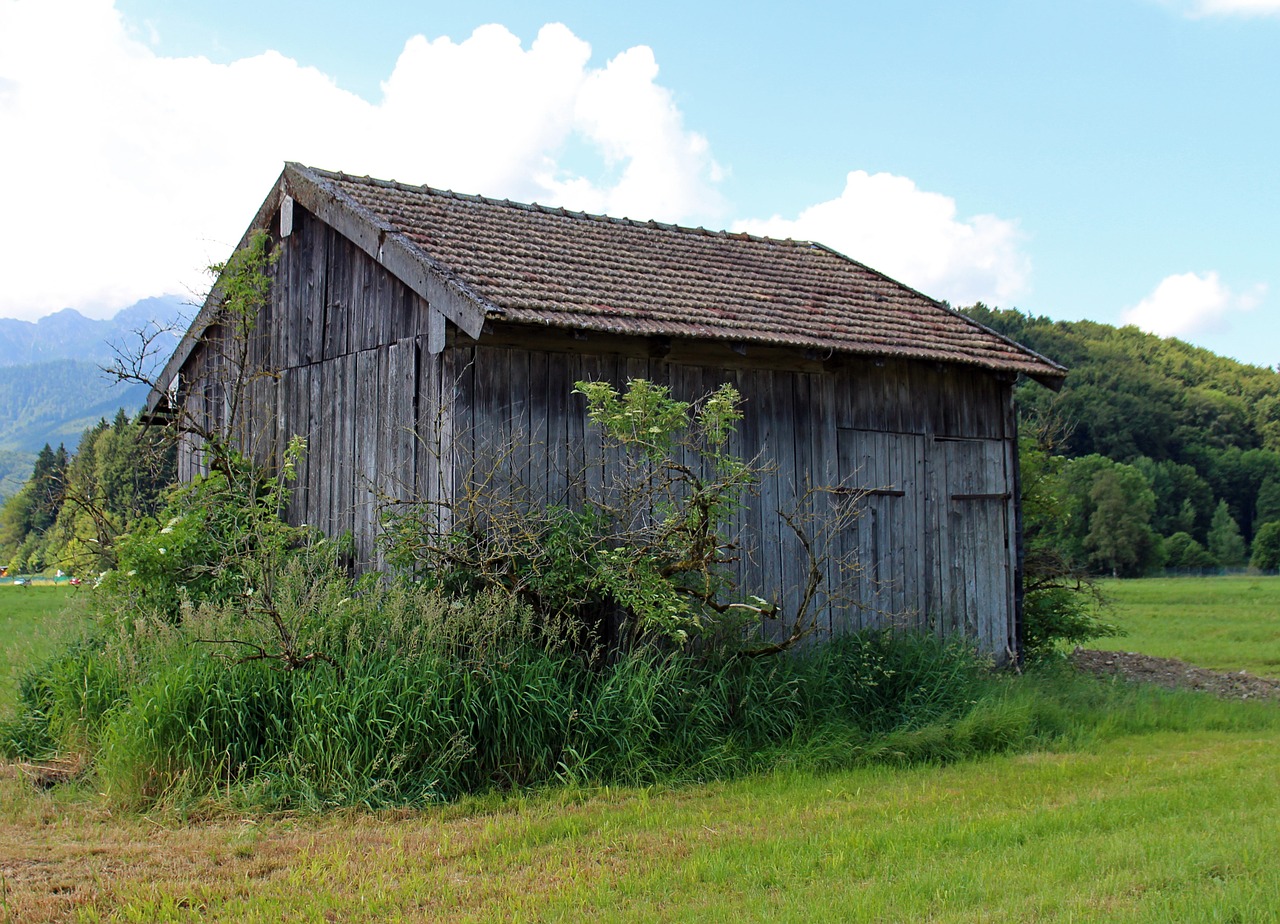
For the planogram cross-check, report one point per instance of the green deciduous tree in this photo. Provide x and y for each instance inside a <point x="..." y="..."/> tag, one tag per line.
<point x="1183" y="553"/>
<point x="1120" y="539"/>
<point x="647" y="557"/>
<point x="1060" y="602"/>
<point x="1266" y="548"/>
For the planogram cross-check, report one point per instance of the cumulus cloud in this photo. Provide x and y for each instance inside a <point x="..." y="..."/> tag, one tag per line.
<point x="913" y="235"/>
<point x="1197" y="9"/>
<point x="1191" y="303"/>
<point x="127" y="172"/>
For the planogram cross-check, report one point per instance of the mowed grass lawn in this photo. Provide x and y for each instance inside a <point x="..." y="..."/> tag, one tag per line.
<point x="1164" y="812"/>
<point x="1225" y="623"/>
<point x="1152" y="828"/>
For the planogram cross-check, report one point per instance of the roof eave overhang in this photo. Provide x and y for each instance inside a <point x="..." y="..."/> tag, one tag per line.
<point x="441" y="289"/>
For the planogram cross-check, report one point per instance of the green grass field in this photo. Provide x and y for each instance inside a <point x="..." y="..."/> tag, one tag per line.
<point x="1224" y="623"/>
<point x="29" y="629"/>
<point x="1163" y="809"/>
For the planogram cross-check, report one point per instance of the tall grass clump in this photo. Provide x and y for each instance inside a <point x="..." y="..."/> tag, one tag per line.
<point x="422" y="697"/>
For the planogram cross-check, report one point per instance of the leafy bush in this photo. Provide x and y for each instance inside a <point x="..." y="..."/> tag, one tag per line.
<point x="217" y="536"/>
<point x="1266" y="548"/>
<point x="1183" y="553"/>
<point x="1060" y="602"/>
<point x="651" y="548"/>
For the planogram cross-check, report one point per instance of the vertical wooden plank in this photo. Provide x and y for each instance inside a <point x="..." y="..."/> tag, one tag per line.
<point x="291" y="297"/>
<point x="316" y="296"/>
<point x="904" y="413"/>
<point x="1013" y="538"/>
<point x="407" y="414"/>
<point x="402" y="388"/>
<point x="365" y="326"/>
<point x="365" y="455"/>
<point x="466" y="418"/>
<point x="379" y="328"/>
<point x="494" y="421"/>
<point x="338" y="289"/>
<point x="537" y="419"/>
<point x="770" y="493"/>
<point x="752" y="566"/>
<point x="316" y="448"/>
<point x="846" y="618"/>
<point x="792" y="566"/>
<point x="935" y="518"/>
<point x="427" y="427"/>
<point x="577" y="433"/>
<point x="525" y="431"/>
<point x="344" y="446"/>
<point x="330" y="387"/>
<point x="280" y="299"/>
<point x="592" y="440"/>
<point x="918" y="525"/>
<point x="559" y="405"/>
<point x="824" y="476"/>
<point x="383" y="482"/>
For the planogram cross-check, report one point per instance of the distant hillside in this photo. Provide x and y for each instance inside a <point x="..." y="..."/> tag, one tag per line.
<point x="54" y="402"/>
<point x="51" y="384"/>
<point x="68" y="334"/>
<point x="1130" y="394"/>
<point x="15" y="468"/>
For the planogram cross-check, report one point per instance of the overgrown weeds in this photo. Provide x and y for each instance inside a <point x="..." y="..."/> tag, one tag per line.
<point x="439" y="696"/>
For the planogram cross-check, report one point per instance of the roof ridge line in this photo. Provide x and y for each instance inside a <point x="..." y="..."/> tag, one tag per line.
<point x="564" y="211"/>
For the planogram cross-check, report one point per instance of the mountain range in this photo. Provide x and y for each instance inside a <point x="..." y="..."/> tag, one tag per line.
<point x="69" y="335"/>
<point x="52" y="383"/>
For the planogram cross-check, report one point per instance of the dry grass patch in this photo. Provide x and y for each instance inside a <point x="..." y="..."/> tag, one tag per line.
<point x="1149" y="828"/>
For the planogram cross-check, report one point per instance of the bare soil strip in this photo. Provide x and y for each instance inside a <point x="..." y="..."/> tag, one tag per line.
<point x="1175" y="674"/>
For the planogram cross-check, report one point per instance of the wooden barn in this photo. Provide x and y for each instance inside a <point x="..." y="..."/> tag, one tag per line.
<point x="410" y="331"/>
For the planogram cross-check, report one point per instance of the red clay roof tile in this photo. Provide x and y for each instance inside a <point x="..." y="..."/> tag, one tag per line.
<point x="555" y="267"/>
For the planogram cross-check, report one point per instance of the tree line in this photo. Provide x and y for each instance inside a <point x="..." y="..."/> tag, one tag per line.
<point x="1166" y="455"/>
<point x="70" y="511"/>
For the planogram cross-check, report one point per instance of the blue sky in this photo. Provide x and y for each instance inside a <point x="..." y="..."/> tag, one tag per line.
<point x="1107" y="160"/>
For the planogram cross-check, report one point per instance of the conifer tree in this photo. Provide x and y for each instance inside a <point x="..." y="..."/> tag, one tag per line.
<point x="1225" y="542"/>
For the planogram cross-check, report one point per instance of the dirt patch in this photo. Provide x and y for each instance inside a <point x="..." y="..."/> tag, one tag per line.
<point x="1174" y="674"/>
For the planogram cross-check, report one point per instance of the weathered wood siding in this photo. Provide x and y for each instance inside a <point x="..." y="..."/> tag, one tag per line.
<point x="931" y="529"/>
<point x="921" y="454"/>
<point x="337" y="358"/>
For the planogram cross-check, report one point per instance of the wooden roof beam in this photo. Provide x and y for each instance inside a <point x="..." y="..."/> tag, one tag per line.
<point x="390" y="248"/>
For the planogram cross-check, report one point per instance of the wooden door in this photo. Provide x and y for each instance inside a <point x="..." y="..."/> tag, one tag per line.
<point x="883" y="549"/>
<point x="971" y="519"/>
<point x="930" y="535"/>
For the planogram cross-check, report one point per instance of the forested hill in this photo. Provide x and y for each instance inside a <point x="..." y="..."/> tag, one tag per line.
<point x="54" y="402"/>
<point x="51" y="383"/>
<point x="1167" y="454"/>
<point x="1130" y="394"/>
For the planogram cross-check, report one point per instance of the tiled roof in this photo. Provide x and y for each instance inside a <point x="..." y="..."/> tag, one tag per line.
<point x="539" y="265"/>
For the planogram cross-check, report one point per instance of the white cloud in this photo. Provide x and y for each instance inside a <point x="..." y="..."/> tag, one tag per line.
<point x="1201" y="8"/>
<point x="1191" y="303"/>
<point x="126" y="172"/>
<point x="888" y="223"/>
